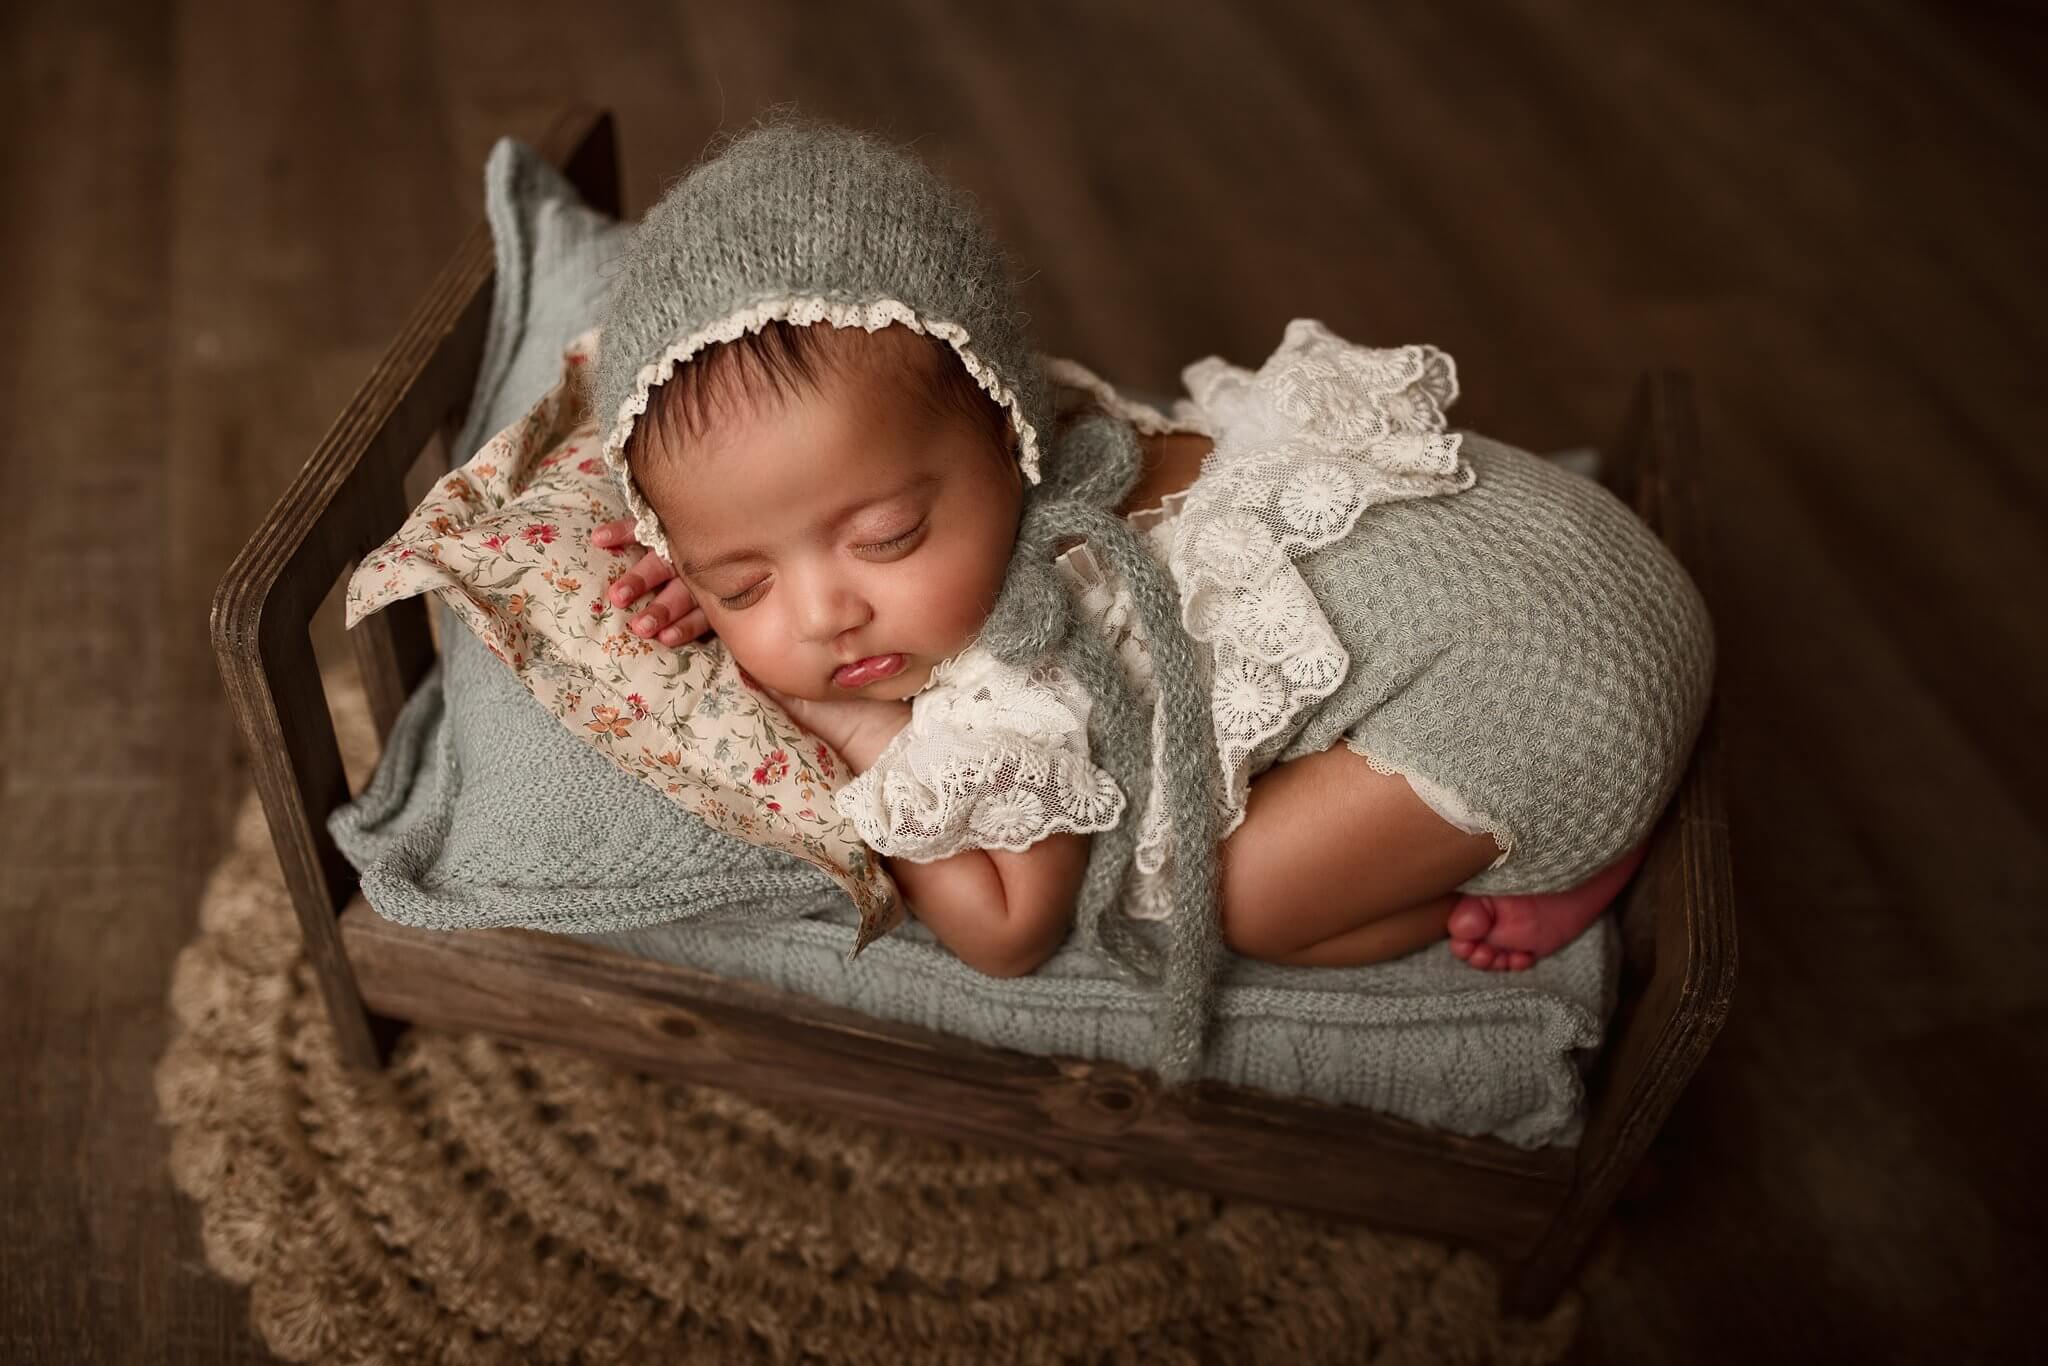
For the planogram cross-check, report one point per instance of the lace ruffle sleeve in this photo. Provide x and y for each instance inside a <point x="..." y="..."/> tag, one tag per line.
<point x="995" y="757"/>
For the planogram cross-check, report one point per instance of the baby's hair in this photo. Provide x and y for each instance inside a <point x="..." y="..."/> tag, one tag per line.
<point x="785" y="359"/>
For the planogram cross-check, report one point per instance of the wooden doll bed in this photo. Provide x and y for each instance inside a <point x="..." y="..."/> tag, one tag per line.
<point x="1534" y="1211"/>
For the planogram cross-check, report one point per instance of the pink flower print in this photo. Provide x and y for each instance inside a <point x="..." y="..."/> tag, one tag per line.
<point x="824" y="758"/>
<point x="638" y="704"/>
<point x="538" y="533"/>
<point x="775" y="806"/>
<point x="590" y="466"/>
<point x="597" y="607"/>
<point x="773" y="768"/>
<point x="495" y="543"/>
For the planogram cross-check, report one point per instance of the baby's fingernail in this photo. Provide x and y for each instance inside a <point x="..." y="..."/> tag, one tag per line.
<point x="643" y="623"/>
<point x="622" y="595"/>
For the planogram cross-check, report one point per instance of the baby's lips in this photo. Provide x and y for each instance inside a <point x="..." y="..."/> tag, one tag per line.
<point x="873" y="669"/>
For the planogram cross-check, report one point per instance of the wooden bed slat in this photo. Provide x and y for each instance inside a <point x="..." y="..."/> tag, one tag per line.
<point x="780" y="1045"/>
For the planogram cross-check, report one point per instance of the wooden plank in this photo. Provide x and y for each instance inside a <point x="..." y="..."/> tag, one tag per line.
<point x="780" y="1045"/>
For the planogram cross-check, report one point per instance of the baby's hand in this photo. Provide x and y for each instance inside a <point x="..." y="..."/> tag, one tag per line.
<point x="673" y="618"/>
<point x="858" y="729"/>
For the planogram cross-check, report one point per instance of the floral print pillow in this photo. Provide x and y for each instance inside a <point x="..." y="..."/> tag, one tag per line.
<point x="505" y="540"/>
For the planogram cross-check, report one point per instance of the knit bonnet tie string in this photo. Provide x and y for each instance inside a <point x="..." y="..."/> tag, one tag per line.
<point x="1095" y="464"/>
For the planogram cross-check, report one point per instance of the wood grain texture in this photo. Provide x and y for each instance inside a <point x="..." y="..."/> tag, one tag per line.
<point x="777" y="1045"/>
<point x="217" y="218"/>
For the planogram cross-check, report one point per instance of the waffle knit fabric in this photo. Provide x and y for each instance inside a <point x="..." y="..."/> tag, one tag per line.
<point x="1528" y="645"/>
<point x="809" y="223"/>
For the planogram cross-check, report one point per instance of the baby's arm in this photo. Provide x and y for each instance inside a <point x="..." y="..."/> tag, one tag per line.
<point x="1001" y="913"/>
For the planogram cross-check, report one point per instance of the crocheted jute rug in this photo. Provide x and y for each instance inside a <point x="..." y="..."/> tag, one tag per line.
<point x="485" y="1201"/>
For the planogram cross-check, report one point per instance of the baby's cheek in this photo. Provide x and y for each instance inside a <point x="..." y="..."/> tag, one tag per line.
<point x="752" y="649"/>
<point x="973" y="584"/>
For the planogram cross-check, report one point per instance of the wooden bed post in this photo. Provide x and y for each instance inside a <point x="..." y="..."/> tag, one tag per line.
<point x="1678" y="918"/>
<point x="348" y="497"/>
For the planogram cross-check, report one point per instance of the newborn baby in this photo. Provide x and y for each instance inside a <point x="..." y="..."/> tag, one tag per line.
<point x="835" y="490"/>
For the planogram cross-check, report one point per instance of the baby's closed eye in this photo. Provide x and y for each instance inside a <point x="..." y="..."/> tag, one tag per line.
<point x="893" y="547"/>
<point x="901" y="541"/>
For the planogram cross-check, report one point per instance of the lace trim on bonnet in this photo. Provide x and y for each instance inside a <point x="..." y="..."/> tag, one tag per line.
<point x="803" y="311"/>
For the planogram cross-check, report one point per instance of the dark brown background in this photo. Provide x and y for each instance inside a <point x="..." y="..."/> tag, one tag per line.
<point x="214" y="217"/>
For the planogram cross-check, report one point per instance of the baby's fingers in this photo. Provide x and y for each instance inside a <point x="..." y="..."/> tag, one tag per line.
<point x="673" y="617"/>
<point x="613" y="533"/>
<point x="648" y="573"/>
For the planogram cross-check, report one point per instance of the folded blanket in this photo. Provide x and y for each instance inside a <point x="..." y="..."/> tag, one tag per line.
<point x="485" y="811"/>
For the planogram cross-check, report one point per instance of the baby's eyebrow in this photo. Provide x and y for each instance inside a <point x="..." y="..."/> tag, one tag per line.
<point x="694" y="568"/>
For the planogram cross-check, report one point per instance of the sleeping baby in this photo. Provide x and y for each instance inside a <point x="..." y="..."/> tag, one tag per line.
<point x="1369" y="683"/>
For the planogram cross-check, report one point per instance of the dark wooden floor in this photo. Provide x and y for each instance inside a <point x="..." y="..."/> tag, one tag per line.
<point x="215" y="216"/>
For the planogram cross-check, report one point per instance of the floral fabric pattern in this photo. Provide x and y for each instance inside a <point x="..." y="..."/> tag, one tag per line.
<point x="506" y="542"/>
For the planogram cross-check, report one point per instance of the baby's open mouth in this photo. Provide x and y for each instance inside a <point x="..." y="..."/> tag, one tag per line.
<point x="873" y="669"/>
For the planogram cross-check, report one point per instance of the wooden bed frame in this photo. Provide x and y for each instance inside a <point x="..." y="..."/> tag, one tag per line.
<point x="1535" y="1212"/>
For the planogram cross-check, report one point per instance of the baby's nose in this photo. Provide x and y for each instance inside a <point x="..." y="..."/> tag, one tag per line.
<point x="831" y="611"/>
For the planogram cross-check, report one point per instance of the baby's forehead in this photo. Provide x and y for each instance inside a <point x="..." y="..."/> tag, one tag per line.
<point x="838" y="443"/>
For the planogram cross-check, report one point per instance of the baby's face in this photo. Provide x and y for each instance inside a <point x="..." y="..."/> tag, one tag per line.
<point x="839" y="528"/>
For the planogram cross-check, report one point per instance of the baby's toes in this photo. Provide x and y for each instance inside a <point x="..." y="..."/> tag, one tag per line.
<point x="1520" y="960"/>
<point x="1481" y="956"/>
<point x="1470" y="919"/>
<point x="1462" y="948"/>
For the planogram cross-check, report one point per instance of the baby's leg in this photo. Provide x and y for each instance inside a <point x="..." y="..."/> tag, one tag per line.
<point x="1337" y="863"/>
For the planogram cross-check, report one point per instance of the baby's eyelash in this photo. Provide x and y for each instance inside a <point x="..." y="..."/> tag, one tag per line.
<point x="743" y="597"/>
<point x="746" y="596"/>
<point x="894" y="541"/>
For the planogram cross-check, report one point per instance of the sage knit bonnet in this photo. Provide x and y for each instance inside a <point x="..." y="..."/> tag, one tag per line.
<point x="803" y="222"/>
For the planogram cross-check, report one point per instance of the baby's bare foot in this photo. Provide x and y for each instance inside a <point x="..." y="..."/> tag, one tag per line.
<point x="1509" y="933"/>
